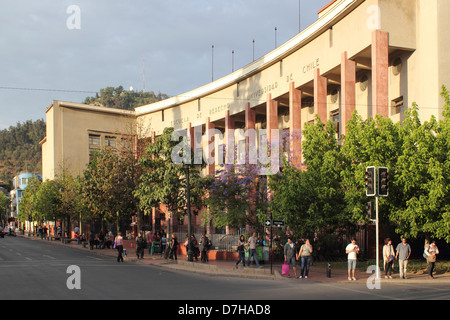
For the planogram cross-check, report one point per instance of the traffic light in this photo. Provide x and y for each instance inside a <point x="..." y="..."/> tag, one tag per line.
<point x="383" y="184"/>
<point x="370" y="210"/>
<point x="370" y="181"/>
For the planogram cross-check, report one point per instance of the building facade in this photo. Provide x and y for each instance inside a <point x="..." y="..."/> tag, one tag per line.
<point x="20" y="182"/>
<point x="370" y="56"/>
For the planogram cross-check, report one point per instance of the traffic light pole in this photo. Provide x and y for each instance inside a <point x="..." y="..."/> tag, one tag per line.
<point x="377" y="240"/>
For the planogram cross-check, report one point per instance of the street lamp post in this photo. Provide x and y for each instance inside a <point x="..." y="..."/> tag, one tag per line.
<point x="190" y="253"/>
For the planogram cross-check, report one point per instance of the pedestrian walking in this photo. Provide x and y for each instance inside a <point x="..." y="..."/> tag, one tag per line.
<point x="352" y="251"/>
<point x="427" y="243"/>
<point x="251" y="244"/>
<point x="241" y="251"/>
<point x="290" y="253"/>
<point x="163" y="243"/>
<point x="203" y="246"/>
<point x="403" y="251"/>
<point x="305" y="256"/>
<point x="194" y="247"/>
<point x="118" y="244"/>
<point x="388" y="258"/>
<point x="431" y="252"/>
<point x="140" y="246"/>
<point x="173" y="247"/>
<point x="91" y="240"/>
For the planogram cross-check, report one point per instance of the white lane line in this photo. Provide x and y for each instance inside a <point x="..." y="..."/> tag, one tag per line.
<point x="99" y="259"/>
<point x="50" y="257"/>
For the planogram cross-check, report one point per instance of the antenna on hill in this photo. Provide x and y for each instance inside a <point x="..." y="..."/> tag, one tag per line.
<point x="143" y="72"/>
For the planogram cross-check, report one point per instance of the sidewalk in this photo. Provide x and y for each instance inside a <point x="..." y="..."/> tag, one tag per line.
<point x="227" y="268"/>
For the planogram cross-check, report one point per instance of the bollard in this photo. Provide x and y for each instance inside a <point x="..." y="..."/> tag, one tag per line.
<point x="328" y="270"/>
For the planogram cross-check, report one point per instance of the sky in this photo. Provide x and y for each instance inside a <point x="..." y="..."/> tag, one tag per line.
<point x="68" y="50"/>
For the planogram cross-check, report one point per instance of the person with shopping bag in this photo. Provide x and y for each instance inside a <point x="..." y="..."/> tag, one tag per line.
<point x="289" y="258"/>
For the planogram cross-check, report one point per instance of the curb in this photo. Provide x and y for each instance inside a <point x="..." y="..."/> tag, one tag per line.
<point x="248" y="272"/>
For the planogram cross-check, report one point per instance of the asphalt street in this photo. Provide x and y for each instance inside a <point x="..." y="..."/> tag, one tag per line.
<point x="41" y="270"/>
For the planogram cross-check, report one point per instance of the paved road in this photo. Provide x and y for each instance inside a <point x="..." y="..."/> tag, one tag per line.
<point x="38" y="270"/>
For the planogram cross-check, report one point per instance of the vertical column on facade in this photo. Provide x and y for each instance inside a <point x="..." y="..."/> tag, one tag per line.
<point x="380" y="67"/>
<point x="191" y="139"/>
<point x="250" y="137"/>
<point x="152" y="140"/>
<point x="210" y="148"/>
<point x="250" y="145"/>
<point x="320" y="95"/>
<point x="348" y="94"/>
<point x="272" y="116"/>
<point x="295" y="125"/>
<point x="229" y="139"/>
<point x="229" y="146"/>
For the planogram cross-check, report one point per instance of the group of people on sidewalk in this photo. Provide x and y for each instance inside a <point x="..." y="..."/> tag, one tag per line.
<point x="249" y="246"/>
<point x="401" y="254"/>
<point x="303" y="255"/>
<point x="291" y="256"/>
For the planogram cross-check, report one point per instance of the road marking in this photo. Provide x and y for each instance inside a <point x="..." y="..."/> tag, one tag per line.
<point x="99" y="259"/>
<point x="368" y="292"/>
<point x="50" y="257"/>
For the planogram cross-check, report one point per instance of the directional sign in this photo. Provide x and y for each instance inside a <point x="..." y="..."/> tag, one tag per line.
<point x="278" y="223"/>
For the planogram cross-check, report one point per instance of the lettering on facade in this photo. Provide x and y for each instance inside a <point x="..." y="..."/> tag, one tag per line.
<point x="289" y="78"/>
<point x="221" y="108"/>
<point x="258" y="93"/>
<point x="311" y="66"/>
<point x="179" y="121"/>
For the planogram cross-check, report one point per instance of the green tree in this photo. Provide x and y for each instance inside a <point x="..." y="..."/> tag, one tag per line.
<point x="312" y="201"/>
<point x="29" y="201"/>
<point x="422" y="207"/>
<point x="163" y="180"/>
<point x="108" y="184"/>
<point x="121" y="99"/>
<point x="47" y="202"/>
<point x="4" y="203"/>
<point x="237" y="196"/>
<point x="372" y="142"/>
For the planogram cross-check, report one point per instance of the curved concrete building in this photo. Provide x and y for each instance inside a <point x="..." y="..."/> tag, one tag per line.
<point x="372" y="56"/>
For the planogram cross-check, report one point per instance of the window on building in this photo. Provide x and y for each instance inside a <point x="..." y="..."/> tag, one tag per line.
<point x="110" y="141"/>
<point x="396" y="105"/>
<point x="94" y="140"/>
<point x="335" y="117"/>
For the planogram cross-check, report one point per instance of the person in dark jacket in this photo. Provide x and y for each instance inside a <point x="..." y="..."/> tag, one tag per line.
<point x="140" y="246"/>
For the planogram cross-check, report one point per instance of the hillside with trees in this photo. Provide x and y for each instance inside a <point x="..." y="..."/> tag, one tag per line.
<point x="20" y="150"/>
<point x="19" y="145"/>
<point x="120" y="99"/>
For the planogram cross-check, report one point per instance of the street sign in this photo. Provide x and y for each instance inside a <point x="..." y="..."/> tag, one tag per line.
<point x="278" y="223"/>
<point x="267" y="223"/>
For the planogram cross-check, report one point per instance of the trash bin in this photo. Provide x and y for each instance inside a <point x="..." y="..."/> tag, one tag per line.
<point x="156" y="247"/>
<point x="259" y="250"/>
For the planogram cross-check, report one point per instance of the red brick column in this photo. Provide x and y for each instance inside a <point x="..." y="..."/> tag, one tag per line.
<point x="380" y="67"/>
<point x="348" y="95"/>
<point x="229" y="139"/>
<point x="210" y="148"/>
<point x="250" y="137"/>
<point x="272" y="116"/>
<point x="295" y="125"/>
<point x="320" y="96"/>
